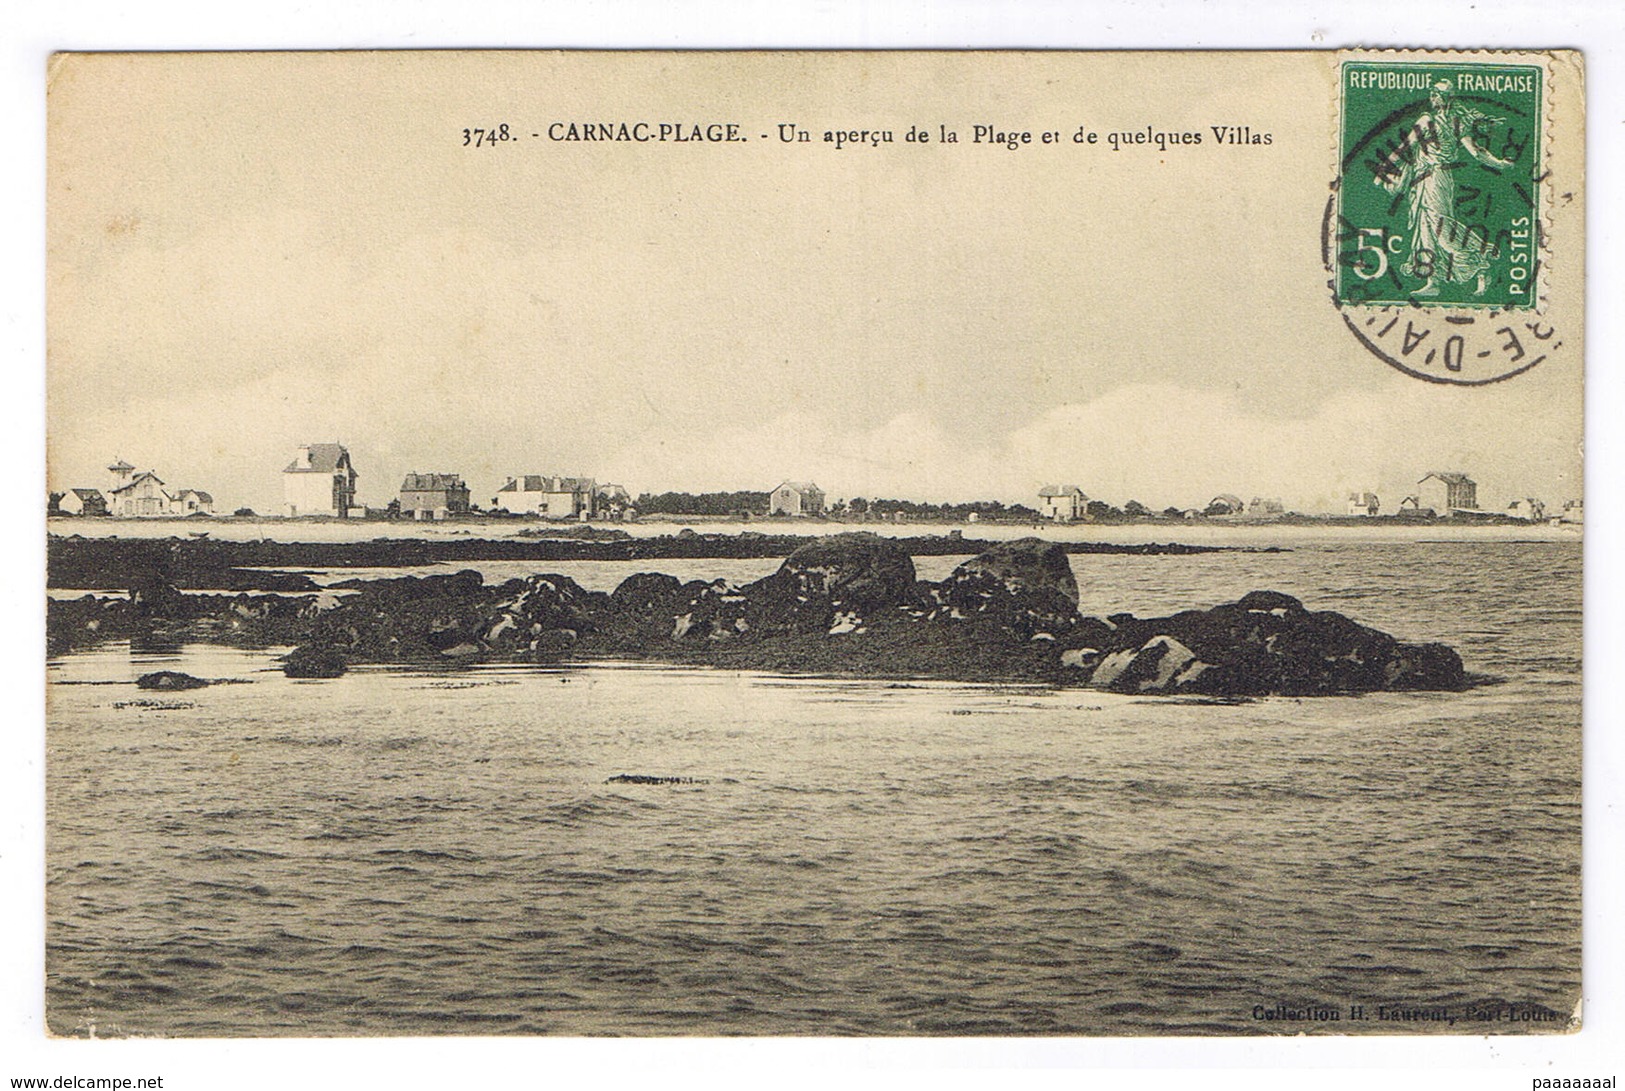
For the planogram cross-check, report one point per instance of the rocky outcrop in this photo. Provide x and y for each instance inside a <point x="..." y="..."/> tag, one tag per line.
<point x="449" y="618"/>
<point x="314" y="661"/>
<point x="828" y="586"/>
<point x="1027" y="566"/>
<point x="855" y="571"/>
<point x="1026" y="587"/>
<point x="1265" y="643"/>
<point x="169" y="680"/>
<point x="849" y="604"/>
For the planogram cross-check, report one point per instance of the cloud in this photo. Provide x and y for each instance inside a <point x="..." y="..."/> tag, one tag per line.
<point x="1159" y="443"/>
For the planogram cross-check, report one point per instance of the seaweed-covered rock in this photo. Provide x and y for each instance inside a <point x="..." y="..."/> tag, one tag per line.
<point x="829" y="585"/>
<point x="525" y="610"/>
<point x="1265" y="643"/>
<point x="716" y="611"/>
<point x="314" y="661"/>
<point x="1025" y="565"/>
<point x="858" y="570"/>
<point x="1025" y="586"/>
<point x="646" y="593"/>
<point x="411" y="618"/>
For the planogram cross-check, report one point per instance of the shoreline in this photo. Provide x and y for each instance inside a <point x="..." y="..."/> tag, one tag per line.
<point x="194" y="564"/>
<point x="1218" y="532"/>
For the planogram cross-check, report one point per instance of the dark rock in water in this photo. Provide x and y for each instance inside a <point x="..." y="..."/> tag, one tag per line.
<point x="1265" y="643"/>
<point x="858" y="570"/>
<point x="1269" y="602"/>
<point x="715" y="611"/>
<point x="170" y="680"/>
<point x="308" y="661"/>
<point x="453" y="617"/>
<point x="1424" y="667"/>
<point x="639" y="778"/>
<point x="827" y="585"/>
<point x="646" y="592"/>
<point x="1030" y="564"/>
<point x="526" y="610"/>
<point x="641" y="611"/>
<point x="1025" y="586"/>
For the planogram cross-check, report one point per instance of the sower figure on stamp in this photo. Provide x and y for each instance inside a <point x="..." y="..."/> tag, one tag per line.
<point x="1423" y="168"/>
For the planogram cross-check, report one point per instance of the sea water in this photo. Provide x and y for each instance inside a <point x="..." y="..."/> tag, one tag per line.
<point x="407" y="851"/>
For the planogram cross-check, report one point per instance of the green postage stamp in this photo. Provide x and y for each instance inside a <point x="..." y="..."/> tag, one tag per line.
<point x="1440" y="167"/>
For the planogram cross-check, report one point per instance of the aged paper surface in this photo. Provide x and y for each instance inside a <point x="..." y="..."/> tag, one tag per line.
<point x="1117" y="521"/>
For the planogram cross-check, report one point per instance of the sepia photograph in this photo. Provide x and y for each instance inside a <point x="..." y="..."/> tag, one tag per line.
<point x="814" y="544"/>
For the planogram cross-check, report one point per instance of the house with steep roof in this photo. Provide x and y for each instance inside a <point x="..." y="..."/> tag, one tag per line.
<point x="1446" y="491"/>
<point x="1225" y="504"/>
<point x="1062" y="503"/>
<point x="796" y="498"/>
<point x="433" y="496"/>
<point x="550" y="496"/>
<point x="79" y="502"/>
<point x="143" y="496"/>
<point x="320" y="481"/>
<point x="191" y="502"/>
<point x="1363" y="503"/>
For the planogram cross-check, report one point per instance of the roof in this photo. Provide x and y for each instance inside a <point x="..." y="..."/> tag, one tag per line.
<point x="431" y="482"/>
<point x="87" y="494"/>
<point x="121" y="465"/>
<point x="1060" y="490"/>
<point x="199" y="493"/>
<point x="1227" y="498"/>
<point x="799" y="486"/>
<point x="137" y="479"/>
<point x="1449" y="477"/>
<point x="324" y="459"/>
<point x="545" y="483"/>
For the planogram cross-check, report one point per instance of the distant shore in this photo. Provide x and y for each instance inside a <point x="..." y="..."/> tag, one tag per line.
<point x="1211" y="532"/>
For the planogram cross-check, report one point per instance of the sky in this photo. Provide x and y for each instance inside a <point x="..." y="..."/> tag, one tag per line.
<point x="247" y="254"/>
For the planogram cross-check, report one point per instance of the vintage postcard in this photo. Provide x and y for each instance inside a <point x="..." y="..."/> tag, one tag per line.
<point x="839" y="544"/>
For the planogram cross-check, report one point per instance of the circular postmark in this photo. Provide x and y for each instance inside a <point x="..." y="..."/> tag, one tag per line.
<point x="1432" y="236"/>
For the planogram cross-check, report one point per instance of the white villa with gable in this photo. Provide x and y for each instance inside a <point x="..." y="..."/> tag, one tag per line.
<point x="796" y="498"/>
<point x="1062" y="502"/>
<point x="320" y="481"/>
